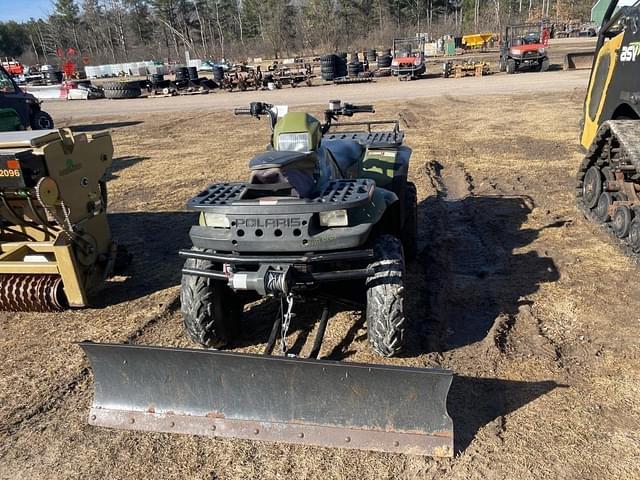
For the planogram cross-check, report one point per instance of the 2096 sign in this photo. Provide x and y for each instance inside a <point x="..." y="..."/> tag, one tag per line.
<point x="7" y="172"/>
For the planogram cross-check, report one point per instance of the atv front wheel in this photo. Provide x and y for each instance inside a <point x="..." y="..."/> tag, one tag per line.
<point x="385" y="295"/>
<point x="211" y="311"/>
<point x="409" y="234"/>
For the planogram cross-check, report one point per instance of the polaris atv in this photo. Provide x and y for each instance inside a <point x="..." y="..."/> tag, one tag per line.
<point x="327" y="213"/>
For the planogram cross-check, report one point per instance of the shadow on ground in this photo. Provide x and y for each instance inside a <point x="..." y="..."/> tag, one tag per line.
<point x="96" y="127"/>
<point x="472" y="267"/>
<point x="153" y="240"/>
<point x="476" y="402"/>
<point x="122" y="163"/>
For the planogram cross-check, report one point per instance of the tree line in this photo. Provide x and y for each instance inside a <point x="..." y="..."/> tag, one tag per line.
<point x="110" y="31"/>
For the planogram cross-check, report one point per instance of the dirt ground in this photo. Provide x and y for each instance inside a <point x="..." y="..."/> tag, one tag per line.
<point x="529" y="304"/>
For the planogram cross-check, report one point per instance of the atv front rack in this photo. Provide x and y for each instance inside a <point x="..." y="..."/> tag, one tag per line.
<point x="243" y="198"/>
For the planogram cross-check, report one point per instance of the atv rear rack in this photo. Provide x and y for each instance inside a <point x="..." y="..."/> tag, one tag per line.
<point x="380" y="139"/>
<point x="236" y="198"/>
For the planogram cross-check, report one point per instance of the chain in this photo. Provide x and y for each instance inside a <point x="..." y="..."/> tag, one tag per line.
<point x="286" y="320"/>
<point x="65" y="210"/>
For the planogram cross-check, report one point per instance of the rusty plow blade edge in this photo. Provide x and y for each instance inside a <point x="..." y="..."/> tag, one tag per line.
<point x="229" y="394"/>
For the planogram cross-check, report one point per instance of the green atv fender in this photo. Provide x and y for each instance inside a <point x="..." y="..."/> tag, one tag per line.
<point x="373" y="213"/>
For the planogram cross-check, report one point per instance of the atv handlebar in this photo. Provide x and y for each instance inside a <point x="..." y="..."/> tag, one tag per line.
<point x="337" y="108"/>
<point x="256" y="109"/>
<point x="350" y="109"/>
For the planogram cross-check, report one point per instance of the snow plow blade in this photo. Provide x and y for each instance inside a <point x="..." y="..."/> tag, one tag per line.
<point x="260" y="397"/>
<point x="579" y="60"/>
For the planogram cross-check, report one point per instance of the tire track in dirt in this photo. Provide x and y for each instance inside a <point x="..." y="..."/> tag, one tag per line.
<point x="77" y="382"/>
<point x="479" y="317"/>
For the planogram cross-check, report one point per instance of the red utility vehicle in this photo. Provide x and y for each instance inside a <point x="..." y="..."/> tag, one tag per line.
<point x="525" y="47"/>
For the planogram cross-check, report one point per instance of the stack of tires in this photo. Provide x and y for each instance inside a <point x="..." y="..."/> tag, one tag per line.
<point x="384" y="64"/>
<point x="327" y="67"/>
<point x="333" y="66"/>
<point x="341" y="65"/>
<point x="158" y="82"/>
<point x="354" y="68"/>
<point x="182" y="74"/>
<point x="192" y="73"/>
<point x="182" y="77"/>
<point x="122" y="90"/>
<point x="218" y="74"/>
<point x="370" y="55"/>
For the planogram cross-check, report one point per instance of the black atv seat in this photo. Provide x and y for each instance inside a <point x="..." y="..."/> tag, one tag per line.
<point x="346" y="153"/>
<point x="281" y="168"/>
<point x="283" y="160"/>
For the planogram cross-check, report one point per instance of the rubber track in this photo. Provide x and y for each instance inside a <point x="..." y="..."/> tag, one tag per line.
<point x="627" y="132"/>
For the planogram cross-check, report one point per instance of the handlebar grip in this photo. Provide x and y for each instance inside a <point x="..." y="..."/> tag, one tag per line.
<point x="242" y="111"/>
<point x="365" y="109"/>
<point x="359" y="108"/>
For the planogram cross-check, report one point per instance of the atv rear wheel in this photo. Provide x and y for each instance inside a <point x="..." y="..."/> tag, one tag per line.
<point x="385" y="296"/>
<point x="409" y="234"/>
<point x="211" y="311"/>
<point x="511" y="66"/>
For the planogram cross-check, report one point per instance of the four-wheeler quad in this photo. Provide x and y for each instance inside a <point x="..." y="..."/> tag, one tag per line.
<point x="324" y="213"/>
<point x="26" y="105"/>
<point x="327" y="213"/>
<point x="525" y="47"/>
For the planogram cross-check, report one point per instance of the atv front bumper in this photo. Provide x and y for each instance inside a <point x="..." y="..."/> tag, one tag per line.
<point x="277" y="274"/>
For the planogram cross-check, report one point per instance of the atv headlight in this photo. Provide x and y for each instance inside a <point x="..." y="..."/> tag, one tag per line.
<point x="334" y="218"/>
<point x="216" y="220"/>
<point x="294" y="142"/>
<point x="541" y="50"/>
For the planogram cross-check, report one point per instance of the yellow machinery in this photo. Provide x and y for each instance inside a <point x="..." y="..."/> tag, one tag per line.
<point x="477" y="40"/>
<point x="55" y="242"/>
<point x="608" y="180"/>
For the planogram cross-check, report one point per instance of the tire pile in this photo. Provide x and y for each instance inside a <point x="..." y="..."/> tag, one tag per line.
<point x="333" y="66"/>
<point x="384" y="64"/>
<point x="116" y="90"/>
